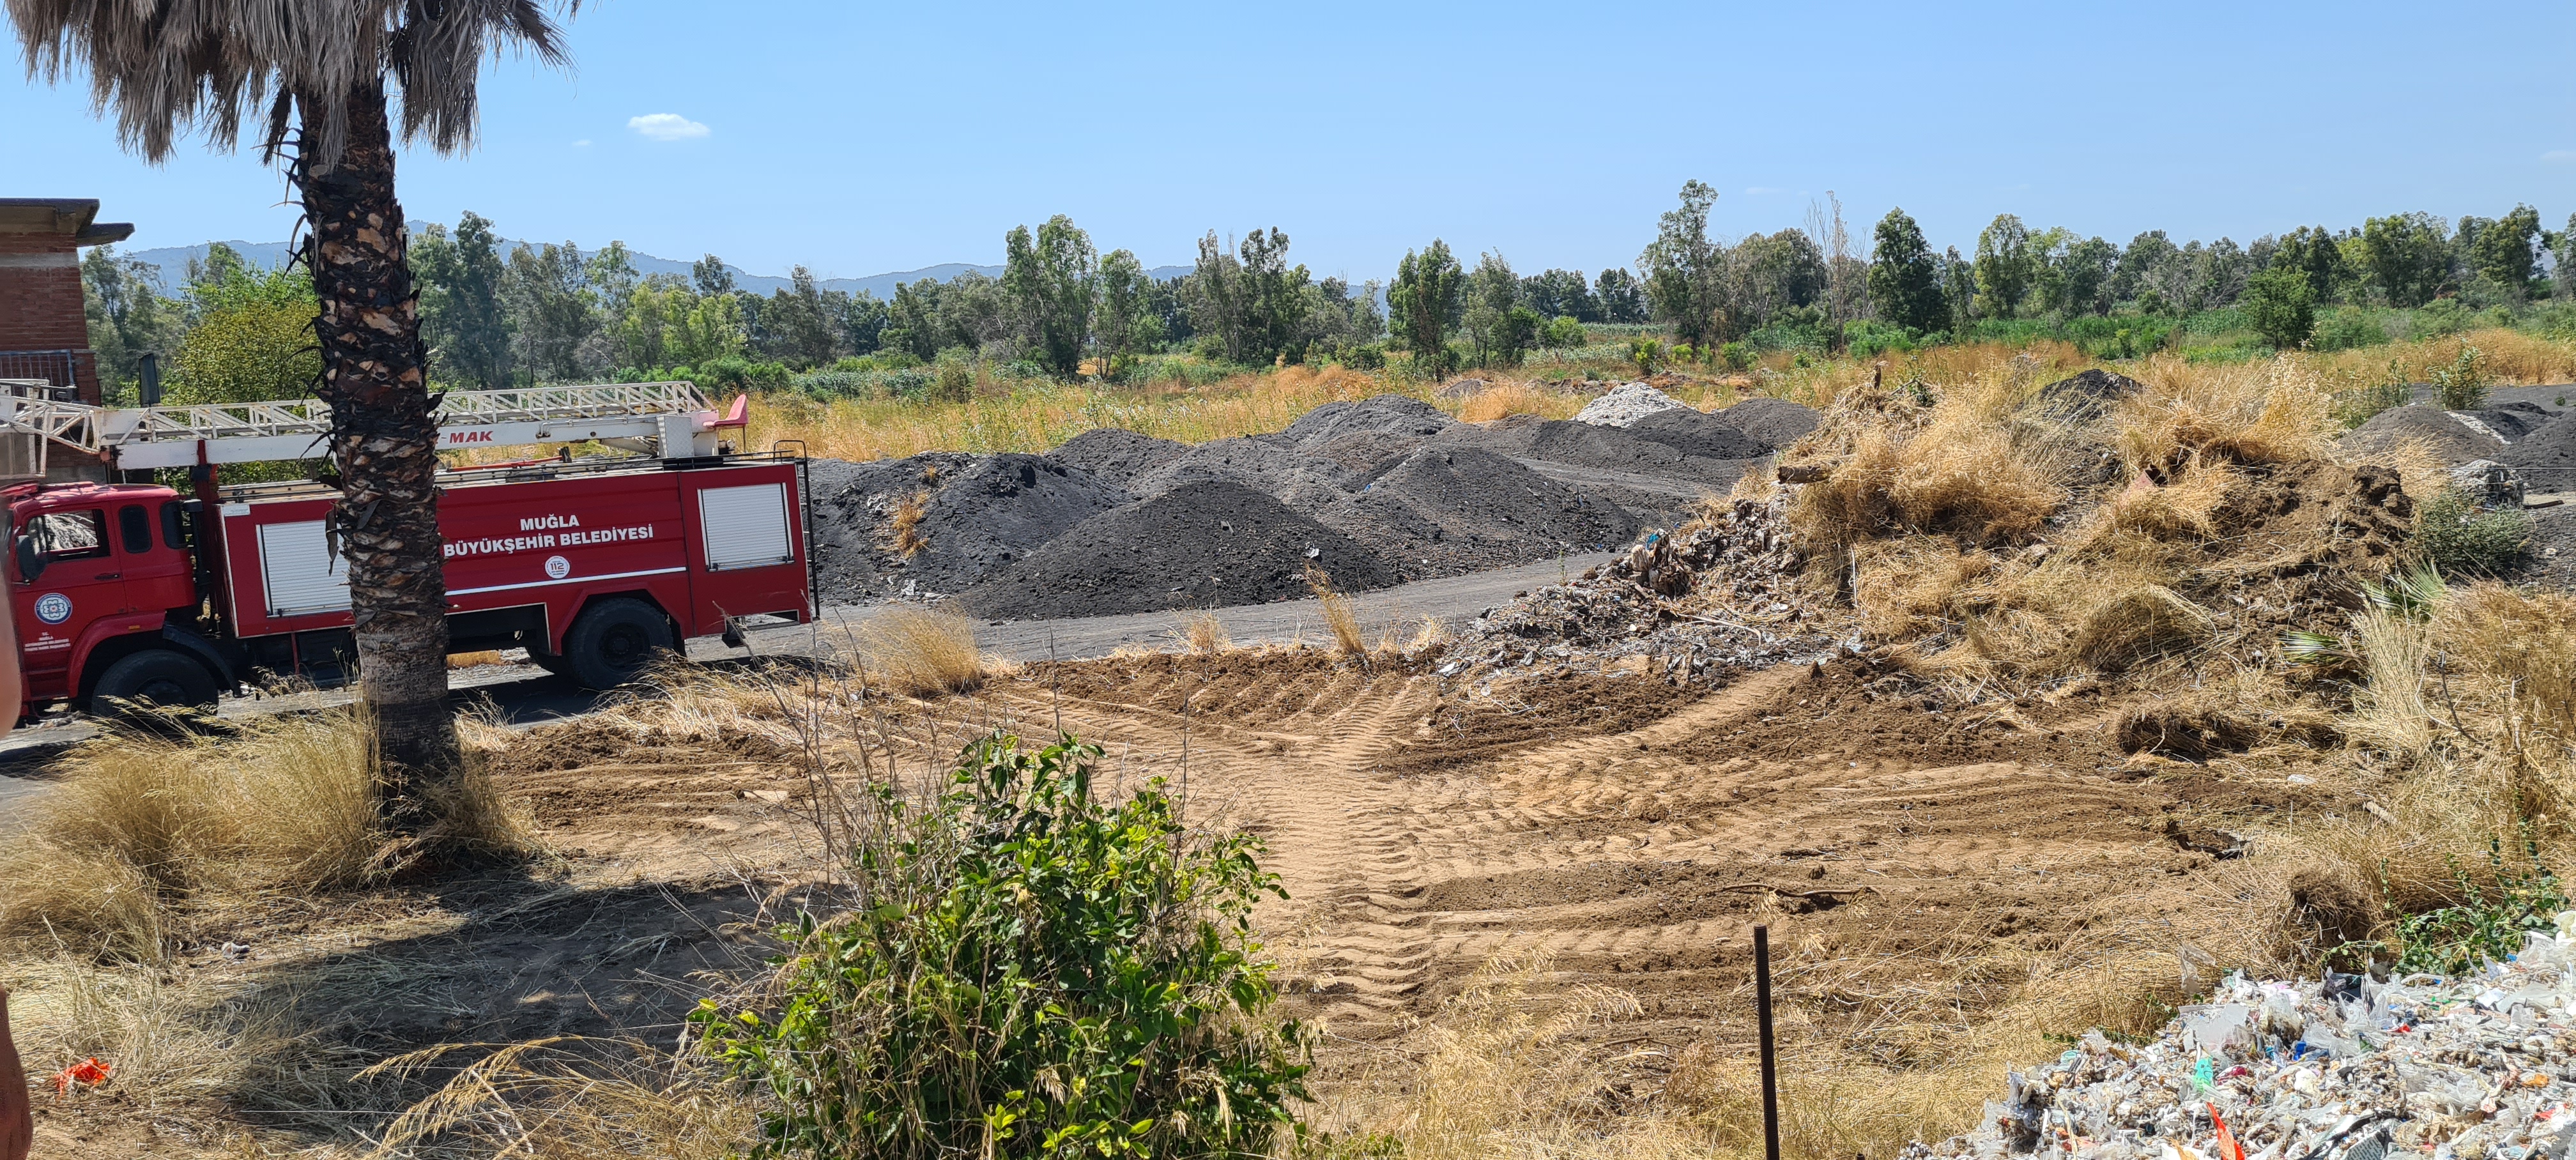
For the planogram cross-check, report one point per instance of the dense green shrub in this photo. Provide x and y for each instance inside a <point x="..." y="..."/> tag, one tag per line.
<point x="2349" y="328"/>
<point x="2488" y="922"/>
<point x="1562" y="332"/>
<point x="2440" y="318"/>
<point x="2462" y="386"/>
<point x="2456" y="534"/>
<point x="1029" y="971"/>
<point x="2281" y="308"/>
<point x="1367" y="356"/>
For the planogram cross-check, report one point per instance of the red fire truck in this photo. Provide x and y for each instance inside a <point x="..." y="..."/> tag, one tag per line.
<point x="594" y="566"/>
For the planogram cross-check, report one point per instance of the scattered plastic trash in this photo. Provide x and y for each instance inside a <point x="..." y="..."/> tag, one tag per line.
<point x="2481" y="1067"/>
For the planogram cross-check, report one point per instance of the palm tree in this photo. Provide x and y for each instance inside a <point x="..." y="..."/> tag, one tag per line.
<point x="319" y="68"/>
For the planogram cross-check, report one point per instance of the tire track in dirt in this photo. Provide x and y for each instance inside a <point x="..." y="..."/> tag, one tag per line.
<point x="1636" y="856"/>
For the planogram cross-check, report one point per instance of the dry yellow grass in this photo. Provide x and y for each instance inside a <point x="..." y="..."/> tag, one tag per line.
<point x="922" y="653"/>
<point x="1508" y="397"/>
<point x="1035" y="418"/>
<point x="1339" y="619"/>
<point x="475" y="660"/>
<point x="572" y="1099"/>
<point x="903" y="528"/>
<point x="145" y="823"/>
<point x="1204" y="633"/>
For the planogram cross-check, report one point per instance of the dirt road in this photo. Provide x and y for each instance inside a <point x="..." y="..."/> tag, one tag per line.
<point x="526" y="694"/>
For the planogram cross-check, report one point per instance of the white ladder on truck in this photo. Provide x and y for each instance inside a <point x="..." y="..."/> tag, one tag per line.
<point x="670" y="419"/>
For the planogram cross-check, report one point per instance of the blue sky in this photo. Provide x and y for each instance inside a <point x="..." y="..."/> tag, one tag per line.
<point x="862" y="138"/>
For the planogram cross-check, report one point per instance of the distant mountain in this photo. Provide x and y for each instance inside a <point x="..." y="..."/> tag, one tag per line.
<point x="173" y="261"/>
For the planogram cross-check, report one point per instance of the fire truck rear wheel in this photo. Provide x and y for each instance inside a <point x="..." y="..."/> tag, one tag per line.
<point x="615" y="641"/>
<point x="157" y="676"/>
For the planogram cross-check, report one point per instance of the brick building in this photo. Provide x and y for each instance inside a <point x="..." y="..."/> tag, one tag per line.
<point x="44" y="330"/>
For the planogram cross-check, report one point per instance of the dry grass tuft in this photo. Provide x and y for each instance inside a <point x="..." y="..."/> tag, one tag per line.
<point x="1338" y="615"/>
<point x="1505" y="1070"/>
<point x="475" y="660"/>
<point x="147" y="821"/>
<point x="1204" y="633"/>
<point x="2524" y="646"/>
<point x="1512" y="398"/>
<point x="923" y="653"/>
<point x="150" y="823"/>
<point x="2260" y="413"/>
<point x="2143" y="622"/>
<point x="1954" y="470"/>
<point x="571" y="1099"/>
<point x="903" y="529"/>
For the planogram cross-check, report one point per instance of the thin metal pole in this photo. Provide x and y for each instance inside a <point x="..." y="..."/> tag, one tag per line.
<point x="1770" y="1068"/>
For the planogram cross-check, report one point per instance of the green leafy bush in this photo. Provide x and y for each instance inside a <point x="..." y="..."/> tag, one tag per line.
<point x="2489" y="921"/>
<point x="2454" y="533"/>
<point x="2462" y="386"/>
<point x="1029" y="971"/>
<point x="2349" y="328"/>
<point x="2441" y="317"/>
<point x="1562" y="332"/>
<point x="1367" y="356"/>
<point x="2281" y="308"/>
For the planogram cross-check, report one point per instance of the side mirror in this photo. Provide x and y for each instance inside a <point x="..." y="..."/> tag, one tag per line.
<point x="31" y="560"/>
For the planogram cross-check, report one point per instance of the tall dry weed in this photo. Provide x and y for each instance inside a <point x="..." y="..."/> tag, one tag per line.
<point x="569" y="1098"/>
<point x="923" y="653"/>
<point x="1204" y="633"/>
<point x="2258" y="413"/>
<point x="149" y="823"/>
<point x="1506" y="397"/>
<point x="1339" y="618"/>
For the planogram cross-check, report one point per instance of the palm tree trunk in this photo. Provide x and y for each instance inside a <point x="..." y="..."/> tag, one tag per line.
<point x="384" y="441"/>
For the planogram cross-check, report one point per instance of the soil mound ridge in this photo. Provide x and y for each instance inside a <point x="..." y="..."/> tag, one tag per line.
<point x="1773" y="423"/>
<point x="970" y="517"/>
<point x="2546" y="456"/>
<point x="1395" y="415"/>
<point x="2430" y="427"/>
<point x="1200" y="545"/>
<point x="1451" y="510"/>
<point x="1117" y="454"/>
<point x="1693" y="433"/>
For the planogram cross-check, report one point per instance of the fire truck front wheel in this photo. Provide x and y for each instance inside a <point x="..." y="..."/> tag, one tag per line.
<point x="156" y="676"/>
<point x="615" y="641"/>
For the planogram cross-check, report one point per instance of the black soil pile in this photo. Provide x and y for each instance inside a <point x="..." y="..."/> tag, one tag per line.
<point x="978" y="516"/>
<point x="1262" y="464"/>
<point x="2428" y="426"/>
<point x="1589" y="445"/>
<point x="1773" y="423"/>
<point x="1116" y="454"/>
<point x="2511" y="421"/>
<point x="1200" y="545"/>
<point x="1395" y="415"/>
<point x="1693" y="432"/>
<point x="1451" y="510"/>
<point x="1362" y="456"/>
<point x="2087" y="395"/>
<point x="2545" y="458"/>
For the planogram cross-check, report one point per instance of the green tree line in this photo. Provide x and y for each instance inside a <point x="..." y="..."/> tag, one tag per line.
<point x="495" y="316"/>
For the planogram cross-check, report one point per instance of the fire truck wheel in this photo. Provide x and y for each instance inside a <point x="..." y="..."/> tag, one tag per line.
<point x="615" y="640"/>
<point x="158" y="676"/>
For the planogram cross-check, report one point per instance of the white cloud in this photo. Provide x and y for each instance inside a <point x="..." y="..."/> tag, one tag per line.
<point x="584" y="143"/>
<point x="2559" y="156"/>
<point x="666" y="127"/>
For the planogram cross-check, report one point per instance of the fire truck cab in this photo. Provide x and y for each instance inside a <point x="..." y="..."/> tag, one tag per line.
<point x="137" y="593"/>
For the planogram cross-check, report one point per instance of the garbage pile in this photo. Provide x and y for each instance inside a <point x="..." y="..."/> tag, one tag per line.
<point x="2481" y="1067"/>
<point x="1719" y="597"/>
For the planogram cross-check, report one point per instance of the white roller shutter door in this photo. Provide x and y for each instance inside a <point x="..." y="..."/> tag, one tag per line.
<point x="299" y="572"/>
<point x="745" y="527"/>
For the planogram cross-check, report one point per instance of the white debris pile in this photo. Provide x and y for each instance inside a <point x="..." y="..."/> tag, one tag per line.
<point x="1625" y="404"/>
<point x="2475" y="1068"/>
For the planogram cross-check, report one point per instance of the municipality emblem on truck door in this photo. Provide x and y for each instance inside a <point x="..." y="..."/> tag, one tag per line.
<point x="53" y="608"/>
